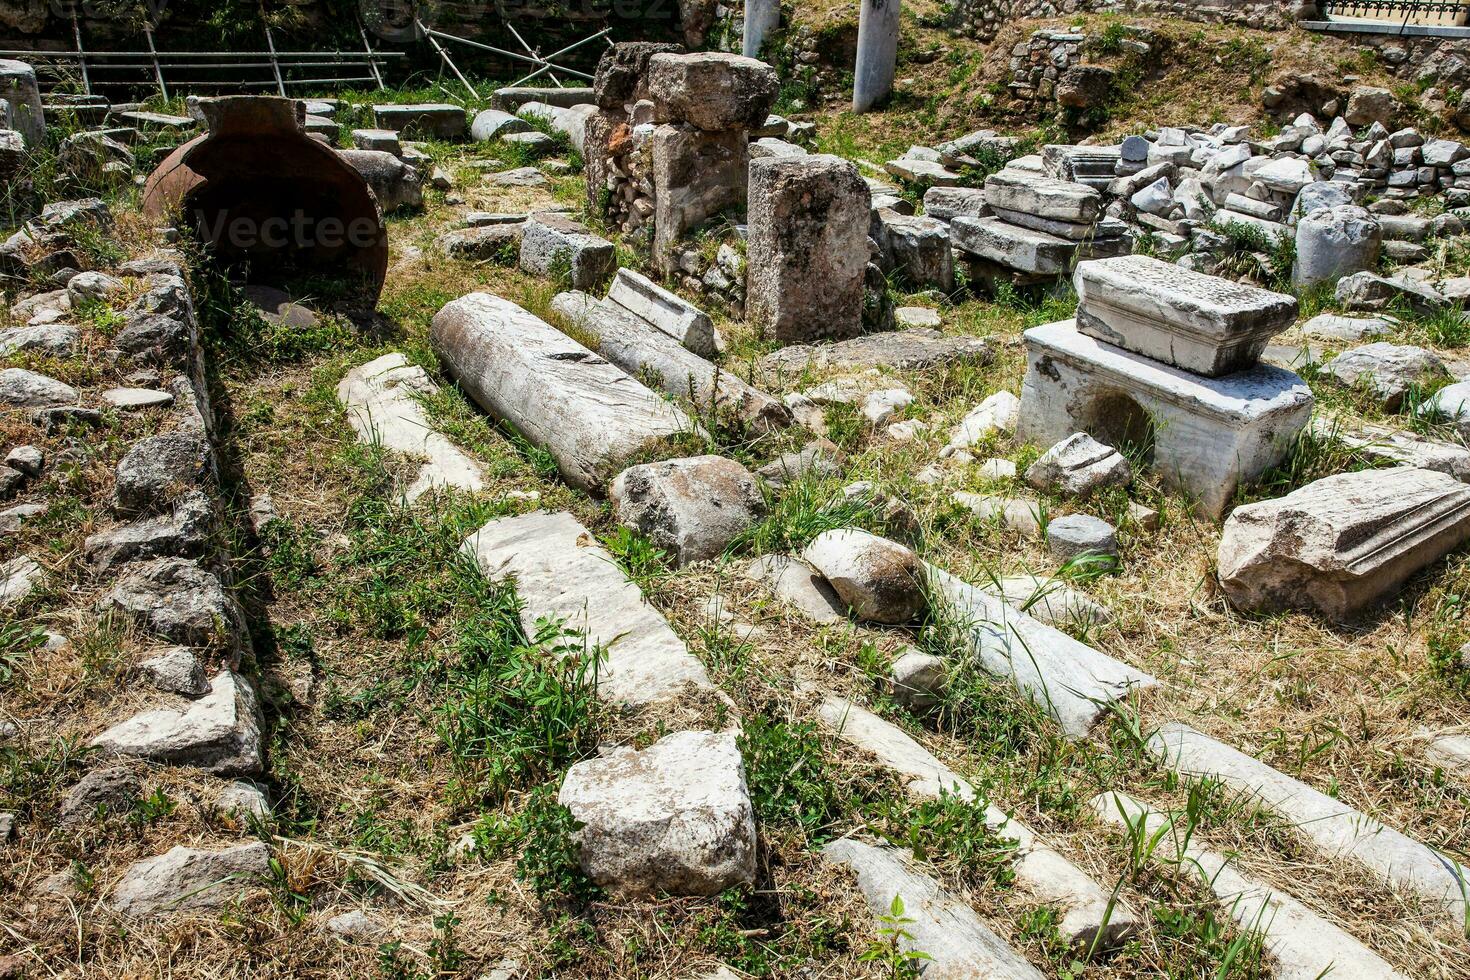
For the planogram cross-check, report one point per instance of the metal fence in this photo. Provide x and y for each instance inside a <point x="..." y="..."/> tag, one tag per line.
<point x="1432" y="13"/>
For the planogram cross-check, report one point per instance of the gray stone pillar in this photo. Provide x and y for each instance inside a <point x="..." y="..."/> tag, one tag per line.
<point x="877" y="53"/>
<point x="761" y="18"/>
<point x="19" y="90"/>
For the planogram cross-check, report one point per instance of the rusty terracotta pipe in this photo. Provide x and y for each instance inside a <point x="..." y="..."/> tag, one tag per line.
<point x="266" y="197"/>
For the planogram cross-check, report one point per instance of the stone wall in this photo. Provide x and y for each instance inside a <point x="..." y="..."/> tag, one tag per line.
<point x="983" y="19"/>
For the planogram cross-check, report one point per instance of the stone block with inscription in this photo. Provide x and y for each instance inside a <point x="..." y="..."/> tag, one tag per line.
<point x="1201" y="323"/>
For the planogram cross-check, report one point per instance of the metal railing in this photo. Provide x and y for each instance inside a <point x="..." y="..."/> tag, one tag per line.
<point x="1444" y="13"/>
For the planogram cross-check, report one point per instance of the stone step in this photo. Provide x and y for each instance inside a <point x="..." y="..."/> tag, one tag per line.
<point x="1304" y="945"/>
<point x="959" y="946"/>
<point x="591" y="416"/>
<point x="1091" y="917"/>
<point x="1330" y="826"/>
<point x="383" y="403"/>
<point x="1069" y="680"/>
<point x="562" y="575"/>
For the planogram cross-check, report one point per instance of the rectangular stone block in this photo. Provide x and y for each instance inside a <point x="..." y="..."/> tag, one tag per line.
<point x="1206" y="436"/>
<point x="1045" y="197"/>
<point x="696" y="176"/>
<point x="1201" y="323"/>
<point x="915" y="247"/>
<point x="807" y="249"/>
<point x="552" y="239"/>
<point x="670" y="313"/>
<point x="1026" y="250"/>
<point x="948" y="203"/>
<point x="429" y="121"/>
<point x="562" y="575"/>
<point x="1103" y="228"/>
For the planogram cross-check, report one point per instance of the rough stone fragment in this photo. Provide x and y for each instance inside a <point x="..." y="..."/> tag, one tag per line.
<point x="47" y="339"/>
<point x="383" y="399"/>
<point x="19" y="577"/>
<point x="948" y="203"/>
<point x="1366" y="291"/>
<point x="482" y="243"/>
<point x="394" y="183"/>
<point x="1043" y="197"/>
<point x="106" y="792"/>
<point x="622" y="73"/>
<point x="427" y="121"/>
<point x="712" y="90"/>
<point x="1204" y="324"/>
<point x="697" y="175"/>
<point x="551" y="241"/>
<point x="807" y="252"/>
<point x="796" y="582"/>
<point x="243" y="799"/>
<point x="20" y="101"/>
<point x="690" y="508"/>
<point x="1344" y="544"/>
<point x="917" y="248"/>
<point x="997" y="413"/>
<point x="188" y="878"/>
<point x="563" y="575"/>
<point x="20" y="388"/>
<point x="1386" y="371"/>
<point x="179" y="601"/>
<point x="182" y="532"/>
<point x="1335" y="242"/>
<point x="176" y="670"/>
<point x="220" y="732"/>
<point x="1079" y="466"/>
<point x="917" y="680"/>
<point x="588" y="414"/>
<point x="881" y="581"/>
<point x="1330" y="326"/>
<point x="158" y="469"/>
<point x="675" y="817"/>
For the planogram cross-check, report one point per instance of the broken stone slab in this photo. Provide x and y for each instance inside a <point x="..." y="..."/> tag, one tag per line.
<point x="553" y="243"/>
<point x="1104" y="228"/>
<point x="1201" y="323"/>
<point x="19" y="577"/>
<point x="20" y="388"/>
<point x="562" y="575"/>
<point x="690" y="508"/>
<point x="957" y="944"/>
<point x="1049" y="600"/>
<point x="1023" y="516"/>
<point x="135" y="399"/>
<point x="1069" y="680"/>
<point x="188" y="878"/>
<point x="948" y="203"/>
<point x="1366" y="291"/>
<point x="1302" y="944"/>
<point x="183" y="531"/>
<point x="176" y="670"/>
<point x="917" y="248"/>
<point x="1088" y="916"/>
<point x="384" y="403"/>
<point x="914" y="169"/>
<point x="1274" y="231"/>
<point x="1329" y="826"/>
<point x="434" y="120"/>
<point x="641" y="350"/>
<point x="817" y="459"/>
<point x="394" y="183"/>
<point x="904" y="350"/>
<point x="1209" y="435"/>
<point x="1382" y="444"/>
<point x="1043" y="197"/>
<point x="1025" y="249"/>
<point x="1330" y="326"/>
<point x="1344" y="544"/>
<point x="807" y="250"/>
<point x="1079" y="466"/>
<point x="592" y="418"/>
<point x="697" y="175"/>
<point x="1446" y="750"/>
<point x="800" y="585"/>
<point x="483" y="242"/>
<point x="220" y="732"/>
<point x="1386" y="371"/>
<point x="997" y="413"/>
<point x="107" y="792"/>
<point x="712" y="90"/>
<point x="47" y="339"/>
<point x="674" y="818"/>
<point x="880" y="580"/>
<point x="670" y="313"/>
<point x="179" y="601"/>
